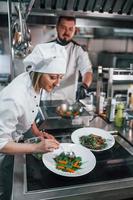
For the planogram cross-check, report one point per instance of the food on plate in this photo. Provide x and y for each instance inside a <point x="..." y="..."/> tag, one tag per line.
<point x="93" y="141"/>
<point x="67" y="163"/>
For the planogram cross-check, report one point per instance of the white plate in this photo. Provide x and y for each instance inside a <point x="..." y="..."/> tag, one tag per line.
<point x="88" y="159"/>
<point x="110" y="140"/>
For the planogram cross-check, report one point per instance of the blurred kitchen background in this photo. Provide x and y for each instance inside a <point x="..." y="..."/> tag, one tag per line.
<point x="104" y="27"/>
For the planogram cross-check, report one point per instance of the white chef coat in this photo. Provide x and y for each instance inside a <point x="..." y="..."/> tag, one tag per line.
<point x="78" y="60"/>
<point x="18" y="108"/>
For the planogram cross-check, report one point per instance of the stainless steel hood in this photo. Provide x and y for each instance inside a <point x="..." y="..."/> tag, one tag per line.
<point x="112" y="13"/>
<point x="85" y="7"/>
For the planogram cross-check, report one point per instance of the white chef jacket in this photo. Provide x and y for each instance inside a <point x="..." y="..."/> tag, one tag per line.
<point x="18" y="108"/>
<point x="78" y="60"/>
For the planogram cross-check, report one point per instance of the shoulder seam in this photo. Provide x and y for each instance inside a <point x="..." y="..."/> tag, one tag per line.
<point x="75" y="43"/>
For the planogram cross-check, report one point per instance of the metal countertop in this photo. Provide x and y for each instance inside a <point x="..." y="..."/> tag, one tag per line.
<point x="117" y="189"/>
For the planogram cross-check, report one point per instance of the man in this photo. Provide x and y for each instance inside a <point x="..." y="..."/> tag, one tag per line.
<point x="78" y="61"/>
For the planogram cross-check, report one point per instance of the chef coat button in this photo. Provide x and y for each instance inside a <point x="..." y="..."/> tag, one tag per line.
<point x="34" y="96"/>
<point x="36" y="105"/>
<point x="32" y="110"/>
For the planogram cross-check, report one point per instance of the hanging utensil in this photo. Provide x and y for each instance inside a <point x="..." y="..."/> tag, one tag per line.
<point x="28" y="11"/>
<point x="21" y="34"/>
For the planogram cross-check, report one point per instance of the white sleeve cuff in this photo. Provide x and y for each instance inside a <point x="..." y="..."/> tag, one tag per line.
<point x="3" y="142"/>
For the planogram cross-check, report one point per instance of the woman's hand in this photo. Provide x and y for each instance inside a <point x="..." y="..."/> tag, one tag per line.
<point x="39" y="133"/>
<point x="46" y="135"/>
<point x="46" y="145"/>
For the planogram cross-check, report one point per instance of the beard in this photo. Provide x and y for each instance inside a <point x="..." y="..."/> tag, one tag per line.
<point x="63" y="42"/>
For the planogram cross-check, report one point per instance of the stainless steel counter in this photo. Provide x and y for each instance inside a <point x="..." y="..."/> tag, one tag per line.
<point x="121" y="188"/>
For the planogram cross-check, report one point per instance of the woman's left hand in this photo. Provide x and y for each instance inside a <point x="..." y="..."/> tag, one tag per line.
<point x="47" y="135"/>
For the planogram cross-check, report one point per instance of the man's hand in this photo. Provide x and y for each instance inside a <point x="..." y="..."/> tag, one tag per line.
<point x="81" y="92"/>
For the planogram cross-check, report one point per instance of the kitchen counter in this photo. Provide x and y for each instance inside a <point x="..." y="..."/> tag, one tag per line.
<point x="111" y="178"/>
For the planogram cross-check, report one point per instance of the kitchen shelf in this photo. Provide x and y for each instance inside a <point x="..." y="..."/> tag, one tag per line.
<point x="84" y="36"/>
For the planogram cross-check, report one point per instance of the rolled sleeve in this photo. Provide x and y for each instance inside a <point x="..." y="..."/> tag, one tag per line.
<point x="3" y="142"/>
<point x="84" y="62"/>
<point x="8" y="121"/>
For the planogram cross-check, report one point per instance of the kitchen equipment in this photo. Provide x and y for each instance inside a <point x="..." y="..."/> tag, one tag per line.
<point x="70" y="111"/>
<point x="119" y="117"/>
<point x="112" y="175"/>
<point x="21" y="34"/>
<point x="119" y="74"/>
<point x="111" y="107"/>
<point x="109" y="10"/>
<point x="121" y="98"/>
<point x="130" y="97"/>
<point x="121" y="60"/>
<point x="99" y="91"/>
<point x="119" y="80"/>
<point x="51" y="110"/>
<point x="5" y="71"/>
<point x="117" y="71"/>
<point x="112" y="166"/>
<point x="128" y="122"/>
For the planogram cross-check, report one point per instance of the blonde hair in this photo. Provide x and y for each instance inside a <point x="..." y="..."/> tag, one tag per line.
<point x="35" y="77"/>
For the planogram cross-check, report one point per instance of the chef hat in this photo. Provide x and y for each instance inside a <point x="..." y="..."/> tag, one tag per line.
<point x="47" y="58"/>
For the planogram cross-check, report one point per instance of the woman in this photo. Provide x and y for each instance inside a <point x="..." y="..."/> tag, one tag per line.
<point x="19" y="103"/>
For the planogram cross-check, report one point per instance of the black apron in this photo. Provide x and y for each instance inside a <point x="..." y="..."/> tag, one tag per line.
<point x="6" y="171"/>
<point x="6" y="176"/>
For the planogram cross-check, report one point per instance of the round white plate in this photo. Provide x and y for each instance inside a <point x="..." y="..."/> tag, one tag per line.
<point x="88" y="159"/>
<point x="110" y="140"/>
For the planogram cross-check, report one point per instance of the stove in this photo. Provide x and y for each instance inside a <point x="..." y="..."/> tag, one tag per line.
<point x="112" y="177"/>
<point x="113" y="164"/>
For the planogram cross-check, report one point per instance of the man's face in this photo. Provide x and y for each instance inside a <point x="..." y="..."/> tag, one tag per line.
<point x="49" y="81"/>
<point x="66" y="30"/>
